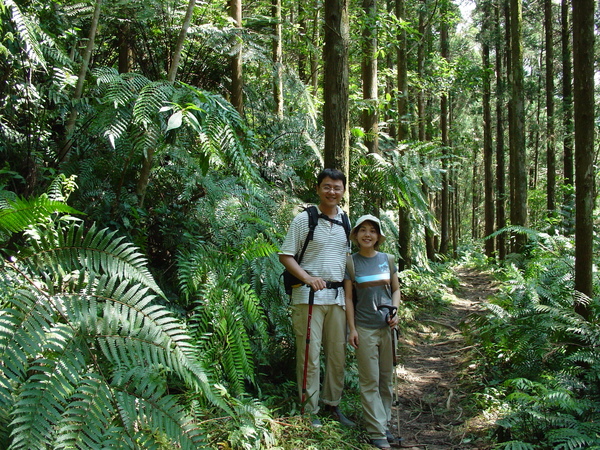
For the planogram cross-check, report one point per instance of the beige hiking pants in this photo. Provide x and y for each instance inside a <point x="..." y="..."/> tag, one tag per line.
<point x="375" y="372"/>
<point x="328" y="328"/>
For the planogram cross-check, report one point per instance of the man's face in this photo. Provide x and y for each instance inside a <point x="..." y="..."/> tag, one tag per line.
<point x="330" y="191"/>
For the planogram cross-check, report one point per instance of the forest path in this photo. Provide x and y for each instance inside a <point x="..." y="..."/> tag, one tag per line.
<point x="432" y="356"/>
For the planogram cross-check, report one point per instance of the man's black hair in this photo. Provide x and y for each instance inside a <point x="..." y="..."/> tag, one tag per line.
<point x="334" y="174"/>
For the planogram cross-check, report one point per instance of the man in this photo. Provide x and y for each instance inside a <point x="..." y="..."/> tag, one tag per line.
<point x="321" y="270"/>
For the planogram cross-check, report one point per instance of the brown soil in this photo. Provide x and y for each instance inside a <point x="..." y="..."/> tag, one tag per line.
<point x="433" y="360"/>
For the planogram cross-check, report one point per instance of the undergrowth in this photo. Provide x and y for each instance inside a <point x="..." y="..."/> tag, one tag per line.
<point x="536" y="360"/>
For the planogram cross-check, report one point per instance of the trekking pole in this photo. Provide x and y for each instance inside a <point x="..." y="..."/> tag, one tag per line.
<point x="311" y="301"/>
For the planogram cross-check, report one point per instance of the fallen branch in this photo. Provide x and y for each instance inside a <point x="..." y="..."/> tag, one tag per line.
<point x="441" y="324"/>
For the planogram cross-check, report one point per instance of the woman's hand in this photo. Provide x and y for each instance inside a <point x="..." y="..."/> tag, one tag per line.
<point x="353" y="338"/>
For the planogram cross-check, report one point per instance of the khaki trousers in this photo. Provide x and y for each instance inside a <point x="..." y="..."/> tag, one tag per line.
<point x="375" y="372"/>
<point x="328" y="328"/>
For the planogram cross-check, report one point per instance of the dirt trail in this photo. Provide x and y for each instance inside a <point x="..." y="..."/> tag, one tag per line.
<point x="428" y="415"/>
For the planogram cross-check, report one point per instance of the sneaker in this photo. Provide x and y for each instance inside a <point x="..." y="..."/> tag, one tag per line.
<point x="380" y="443"/>
<point x="337" y="414"/>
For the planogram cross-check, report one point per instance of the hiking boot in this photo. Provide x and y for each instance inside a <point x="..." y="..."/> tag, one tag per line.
<point x="336" y="414"/>
<point x="315" y="422"/>
<point x="380" y="443"/>
<point x="392" y="439"/>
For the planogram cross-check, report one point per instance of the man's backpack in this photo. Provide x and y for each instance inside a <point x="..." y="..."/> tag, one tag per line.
<point x="289" y="280"/>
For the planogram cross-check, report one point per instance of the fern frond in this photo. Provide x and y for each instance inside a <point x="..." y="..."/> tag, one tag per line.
<point x="96" y="251"/>
<point x="28" y="32"/>
<point x="19" y="214"/>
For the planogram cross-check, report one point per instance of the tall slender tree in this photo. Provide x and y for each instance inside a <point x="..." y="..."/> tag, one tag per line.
<point x="488" y="177"/>
<point x="404" y="217"/>
<point x="237" y="83"/>
<point x="85" y="63"/>
<point x="315" y="57"/>
<point x="180" y="41"/>
<point x="335" y="111"/>
<point x="370" y="116"/>
<point x="567" y="101"/>
<point x="583" y="90"/>
<point x="517" y="125"/>
<point x="402" y="74"/>
<point x="500" y="153"/>
<point x="277" y="59"/>
<point x="444" y="116"/>
<point x="550" y="138"/>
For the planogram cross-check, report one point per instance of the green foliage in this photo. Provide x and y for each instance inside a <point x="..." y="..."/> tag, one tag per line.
<point x="88" y="356"/>
<point x="542" y="355"/>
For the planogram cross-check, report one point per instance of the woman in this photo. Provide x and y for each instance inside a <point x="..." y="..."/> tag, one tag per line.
<point x="371" y="317"/>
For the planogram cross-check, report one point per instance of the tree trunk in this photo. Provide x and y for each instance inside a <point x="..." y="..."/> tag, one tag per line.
<point x="517" y="127"/>
<point x="401" y="56"/>
<point x="445" y="195"/>
<point x="315" y="57"/>
<point x="335" y="113"/>
<point x="180" y="41"/>
<point x="500" y="158"/>
<point x="550" y="147"/>
<point x="237" y="97"/>
<point x="583" y="69"/>
<point x="85" y="63"/>
<point x="404" y="222"/>
<point x="404" y="238"/>
<point x="369" y="76"/>
<point x="421" y="70"/>
<point x="488" y="176"/>
<point x="125" y="51"/>
<point x="277" y="60"/>
<point x="303" y="38"/>
<point x="567" y="105"/>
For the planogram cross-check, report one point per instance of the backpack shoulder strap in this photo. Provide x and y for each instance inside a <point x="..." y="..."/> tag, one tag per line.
<point x="391" y="263"/>
<point x="350" y="267"/>
<point x="346" y="225"/>
<point x="313" y="220"/>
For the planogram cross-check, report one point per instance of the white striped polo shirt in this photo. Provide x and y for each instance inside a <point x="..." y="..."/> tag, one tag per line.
<point x="325" y="256"/>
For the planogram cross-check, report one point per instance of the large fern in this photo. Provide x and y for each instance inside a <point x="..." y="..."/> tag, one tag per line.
<point x="86" y="354"/>
<point x="543" y="354"/>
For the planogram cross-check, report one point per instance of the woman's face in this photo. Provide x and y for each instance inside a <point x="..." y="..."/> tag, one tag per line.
<point x="367" y="235"/>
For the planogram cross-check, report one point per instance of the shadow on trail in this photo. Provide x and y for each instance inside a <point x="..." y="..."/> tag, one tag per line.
<point x="433" y="357"/>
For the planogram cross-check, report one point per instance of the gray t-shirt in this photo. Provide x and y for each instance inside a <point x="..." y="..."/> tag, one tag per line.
<point x="373" y="288"/>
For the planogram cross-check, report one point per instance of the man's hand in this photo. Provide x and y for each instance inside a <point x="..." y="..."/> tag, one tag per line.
<point x="316" y="283"/>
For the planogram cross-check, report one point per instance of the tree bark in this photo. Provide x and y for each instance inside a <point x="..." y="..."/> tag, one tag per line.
<point x="567" y="105"/>
<point x="517" y="128"/>
<point x="85" y="63"/>
<point x="583" y="69"/>
<point x="303" y="38"/>
<point x="445" y="195"/>
<point x="180" y="41"/>
<point x="315" y="57"/>
<point x="401" y="56"/>
<point x="370" y="115"/>
<point x="125" y="51"/>
<point x="277" y="60"/>
<point x="488" y="176"/>
<point x="500" y="153"/>
<point x="237" y="97"/>
<point x="550" y="138"/>
<point x="335" y="114"/>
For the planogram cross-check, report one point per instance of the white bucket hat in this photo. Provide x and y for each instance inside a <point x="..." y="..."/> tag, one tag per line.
<point x="370" y="218"/>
